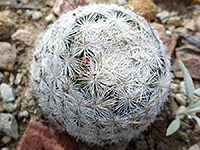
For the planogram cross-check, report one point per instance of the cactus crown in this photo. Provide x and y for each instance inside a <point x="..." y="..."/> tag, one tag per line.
<point x="101" y="73"/>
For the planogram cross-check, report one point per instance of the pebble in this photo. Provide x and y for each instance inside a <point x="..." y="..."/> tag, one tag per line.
<point x="5" y="148"/>
<point x="189" y="24"/>
<point x="7" y="24"/>
<point x="23" y="114"/>
<point x="163" y="16"/>
<point x="22" y="36"/>
<point x="176" y="21"/>
<point x="24" y="1"/>
<point x="10" y="107"/>
<point x="36" y="15"/>
<point x="182" y="87"/>
<point x="8" y="125"/>
<point x="120" y="2"/>
<point x="11" y="79"/>
<point x="168" y="33"/>
<point x="181" y="109"/>
<point x="180" y="98"/>
<point x="6" y="139"/>
<point x="195" y="147"/>
<point x="18" y="78"/>
<point x="50" y="18"/>
<point x="174" y="87"/>
<point x="7" y="56"/>
<point x="7" y="93"/>
<point x="1" y="77"/>
<point x="145" y="7"/>
<point x="190" y="56"/>
<point x="174" y="13"/>
<point x="37" y="134"/>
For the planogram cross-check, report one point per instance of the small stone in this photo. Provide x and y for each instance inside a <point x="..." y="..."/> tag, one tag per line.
<point x="50" y="18"/>
<point x="22" y="36"/>
<point x="1" y="77"/>
<point x="11" y="79"/>
<point x="197" y="24"/>
<point x="8" y="125"/>
<point x="141" y="145"/>
<point x="7" y="25"/>
<point x="7" y="56"/>
<point x="189" y="24"/>
<point x="10" y="107"/>
<point x="97" y="1"/>
<point x="168" y="32"/>
<point x="7" y="93"/>
<point x="62" y="6"/>
<point x="181" y="100"/>
<point x="190" y="56"/>
<point x="24" y="1"/>
<point x="182" y="87"/>
<point x="120" y="2"/>
<point x="173" y="13"/>
<point x="174" y="87"/>
<point x="23" y="114"/>
<point x="181" y="109"/>
<point x="176" y="21"/>
<point x="195" y="147"/>
<point x="50" y="3"/>
<point x="145" y="7"/>
<point x="36" y="15"/>
<point x="18" y="78"/>
<point x="4" y="148"/>
<point x="6" y="139"/>
<point x="39" y="136"/>
<point x="163" y="16"/>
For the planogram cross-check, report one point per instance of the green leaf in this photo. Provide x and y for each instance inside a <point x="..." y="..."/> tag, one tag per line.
<point x="189" y="86"/>
<point x="197" y="92"/>
<point x="196" y="118"/>
<point x="173" y="127"/>
<point x="195" y="105"/>
<point x="192" y="110"/>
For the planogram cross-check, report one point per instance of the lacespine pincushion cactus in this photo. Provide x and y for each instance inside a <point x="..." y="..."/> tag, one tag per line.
<point x="101" y="73"/>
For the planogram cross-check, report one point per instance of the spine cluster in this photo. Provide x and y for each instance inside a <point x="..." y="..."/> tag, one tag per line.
<point x="101" y="73"/>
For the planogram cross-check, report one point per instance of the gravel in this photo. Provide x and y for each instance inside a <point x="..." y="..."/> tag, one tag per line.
<point x="7" y="93"/>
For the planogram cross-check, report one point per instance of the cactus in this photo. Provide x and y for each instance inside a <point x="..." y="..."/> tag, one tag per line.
<point x="100" y="73"/>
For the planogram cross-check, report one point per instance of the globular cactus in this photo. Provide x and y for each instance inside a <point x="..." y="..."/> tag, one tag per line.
<point x="101" y="73"/>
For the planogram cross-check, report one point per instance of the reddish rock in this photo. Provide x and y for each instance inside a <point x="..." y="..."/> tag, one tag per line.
<point x="41" y="137"/>
<point x="197" y="24"/>
<point x="7" y="56"/>
<point x="23" y="37"/>
<point x="169" y="42"/>
<point x="62" y="6"/>
<point x="190" y="56"/>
